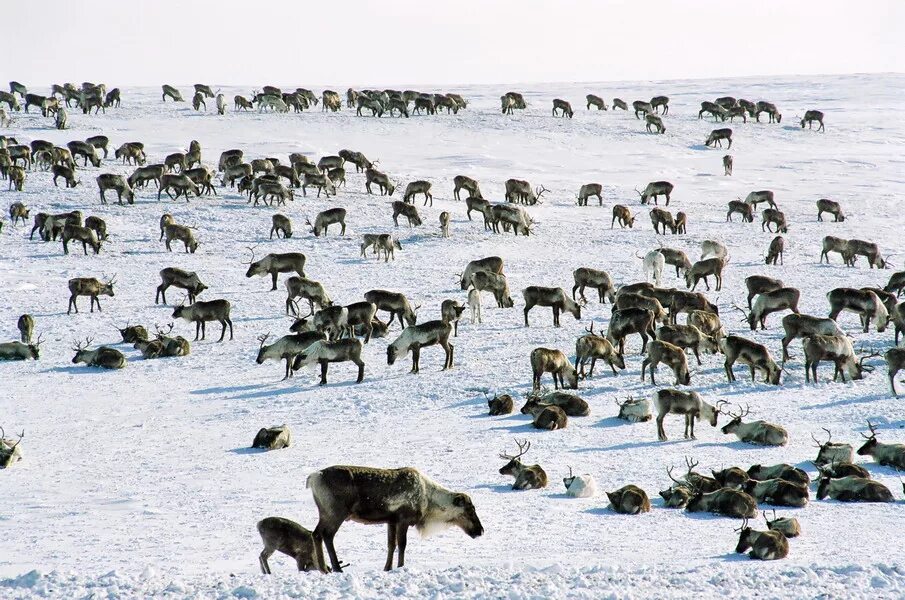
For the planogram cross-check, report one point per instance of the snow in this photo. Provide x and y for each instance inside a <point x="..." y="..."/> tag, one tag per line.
<point x="138" y="483"/>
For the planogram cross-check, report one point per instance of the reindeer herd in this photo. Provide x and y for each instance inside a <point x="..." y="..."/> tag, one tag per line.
<point x="335" y="333"/>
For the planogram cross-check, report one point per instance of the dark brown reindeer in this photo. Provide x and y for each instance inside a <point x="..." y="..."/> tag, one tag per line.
<point x="531" y="477"/>
<point x="82" y="286"/>
<point x="415" y="337"/>
<point x="276" y="263"/>
<point x="400" y="498"/>
<point x="200" y="313"/>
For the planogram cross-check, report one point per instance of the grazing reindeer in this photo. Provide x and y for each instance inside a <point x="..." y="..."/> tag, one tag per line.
<point x="401" y="498"/>
<point x="500" y="405"/>
<point x="775" y="250"/>
<point x="82" y="286"/>
<point x="186" y="280"/>
<point x="863" y="302"/>
<point x="103" y="357"/>
<point x="375" y="177"/>
<point x="853" y="489"/>
<point x="837" y="348"/>
<point x="653" y="265"/>
<point x="394" y="303"/>
<point x="831" y="452"/>
<point x="623" y="215"/>
<point x="690" y="404"/>
<point x="592" y="278"/>
<point x="670" y="355"/>
<point x="592" y="189"/>
<point x="597" y="101"/>
<point x="474" y="303"/>
<point x="631" y="320"/>
<point x="546" y="360"/>
<point x="755" y="355"/>
<point x="181" y="233"/>
<point x="280" y="224"/>
<point x="708" y="323"/>
<point x="66" y="173"/>
<point x="758" y="197"/>
<point x="321" y="181"/>
<point x="835" y="244"/>
<point x="760" y="433"/>
<point x="200" y="313"/>
<point x="629" y="500"/>
<point x="727" y="164"/>
<point x="131" y="152"/>
<point x="771" y="216"/>
<point x="409" y="211"/>
<point x="288" y="537"/>
<point x="526" y="478"/>
<point x="26" y="326"/>
<point x="18" y="211"/>
<point x="178" y="182"/>
<point x="764" y="545"/>
<point x="702" y="270"/>
<point x="769" y="302"/>
<point x="660" y="217"/>
<point x="760" y="284"/>
<point x="117" y="183"/>
<point x="415" y="337"/>
<point x="444" y="224"/>
<point x="519" y="190"/>
<point x="555" y="298"/>
<point x="387" y="244"/>
<point x="418" y="187"/>
<point x="328" y="217"/>
<point x="655" y="189"/>
<point x="511" y="217"/>
<point x="654" y="122"/>
<point x="770" y="109"/>
<point x="634" y="410"/>
<point x="274" y="264"/>
<point x="896" y="283"/>
<point x="895" y="362"/>
<point x="619" y="103"/>
<point x="171" y="93"/>
<point x="563" y="107"/>
<point x="642" y="108"/>
<point x="450" y="312"/>
<point x="85" y="235"/>
<point x="717" y="136"/>
<point x="592" y="347"/>
<point x="813" y="115"/>
<point x="482" y="206"/>
<point x="801" y="326"/>
<point x="888" y="455"/>
<point x="677" y="259"/>
<point x="688" y="336"/>
<point x="832" y="207"/>
<point x="658" y="101"/>
<point x="745" y="210"/>
<point x="312" y="291"/>
<point x="463" y="182"/>
<point x="868" y="250"/>
<point x="495" y="283"/>
<point x="491" y="264"/>
<point x="325" y="352"/>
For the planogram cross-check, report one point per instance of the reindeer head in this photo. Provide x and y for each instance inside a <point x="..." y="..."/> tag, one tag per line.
<point x="262" y="351"/>
<point x="871" y="442"/>
<point x="254" y="268"/>
<point x="80" y="349"/>
<point x="744" y="538"/>
<point x="513" y="466"/>
<point x="736" y="419"/>
<point x="35" y="347"/>
<point x="107" y="287"/>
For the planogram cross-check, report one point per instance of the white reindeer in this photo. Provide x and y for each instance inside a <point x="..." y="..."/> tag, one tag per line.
<point x="474" y="302"/>
<point x="654" y="262"/>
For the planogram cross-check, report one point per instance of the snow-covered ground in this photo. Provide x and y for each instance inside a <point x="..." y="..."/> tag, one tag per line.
<point x="139" y="482"/>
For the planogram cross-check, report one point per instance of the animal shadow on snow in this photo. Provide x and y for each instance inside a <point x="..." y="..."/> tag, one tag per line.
<point x="737" y="445"/>
<point x="501" y="488"/>
<point x="632" y="445"/>
<point x="248" y="450"/>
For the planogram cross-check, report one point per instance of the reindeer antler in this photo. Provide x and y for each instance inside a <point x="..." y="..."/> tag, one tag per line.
<point x="828" y="439"/>
<point x="669" y="472"/>
<point x="263" y="338"/>
<point x="160" y="332"/>
<point x="691" y="463"/>
<point x="744" y="525"/>
<point x="873" y="431"/>
<point x="252" y="250"/>
<point x="523" y="447"/>
<point x="39" y="340"/>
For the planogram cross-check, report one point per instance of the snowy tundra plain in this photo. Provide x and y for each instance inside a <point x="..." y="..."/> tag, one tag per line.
<point x="140" y="482"/>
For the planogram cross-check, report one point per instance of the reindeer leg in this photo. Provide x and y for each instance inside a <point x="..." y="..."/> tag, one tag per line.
<point x="391" y="545"/>
<point x="265" y="554"/>
<point x="324" y="366"/>
<point x="402" y="532"/>
<point x="416" y="357"/>
<point x="273" y="276"/>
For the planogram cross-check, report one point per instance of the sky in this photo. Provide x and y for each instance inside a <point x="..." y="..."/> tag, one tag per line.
<point x="384" y="42"/>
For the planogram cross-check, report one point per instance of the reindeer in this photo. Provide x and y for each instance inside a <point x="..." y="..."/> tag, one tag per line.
<point x="299" y="287"/>
<point x="86" y="151"/>
<point x="895" y="362"/>
<point x="26" y="326"/>
<point x="660" y="217"/>
<point x="835" y="244"/>
<point x="832" y="207"/>
<point x="82" y="286"/>
<point x="629" y="500"/>
<point x="760" y="284"/>
<point x="702" y="270"/>
<point x="372" y="496"/>
<point x="726" y="501"/>
<point x="103" y="357"/>
<point x="18" y="211"/>
<point x="655" y="189"/>
<point x="444" y="224"/>
<point x="23" y="350"/>
<point x="280" y="224"/>
<point x="513" y="217"/>
<point x="675" y="258"/>
<point x="771" y="216"/>
<point x="764" y="545"/>
<point x="690" y="404"/>
<point x="414" y="337"/>
<point x="768" y="108"/>
<point x="375" y="177"/>
<point x="669" y="354"/>
<point x="10" y="453"/>
<point x="653" y="121"/>
<point x="599" y="280"/>
<point x="546" y="360"/>
<point x="742" y="208"/>
<point x="555" y="298"/>
<point x="755" y="355"/>
<point x="594" y="189"/>
<point x="760" y="433"/>
<point x="571" y="405"/>
<point x="181" y="233"/>
<point x="500" y="405"/>
<point x="495" y="283"/>
<point x="276" y="263"/>
<point x="623" y="215"/>
<point x="769" y="302"/>
<point x="688" y="336"/>
<point x="546" y="416"/>
<point x="813" y="115"/>
<point x="832" y="452"/>
<point x="718" y="135"/>
<point x="290" y="538"/>
<point x="563" y="107"/>
<point x="519" y="190"/>
<point x="203" y="178"/>
<point x="798" y="325"/>
<point x="474" y="303"/>
<point x="653" y="264"/>
<point x="325" y="352"/>
<point x="708" y="323"/>
<point x="869" y="250"/>
<point x="450" y="312"/>
<point x="592" y="347"/>
<point x="646" y="301"/>
<point x="85" y="235"/>
<point x="837" y="348"/>
<point x="641" y="108"/>
<point x="490" y="264"/>
<point x="526" y="477"/>
<point x="133" y="333"/>
<point x="597" y="101"/>
<point x="619" y="103"/>
<point x="634" y="410"/>
<point x="627" y="321"/>
<point x="896" y="283"/>
<point x="727" y="164"/>
<point x="180" y="183"/>
<point x="394" y="303"/>
<point x="774" y="251"/>
<point x="321" y="181"/>
<point x="888" y="455"/>
<point x="463" y="182"/>
<point x="186" y="280"/>
<point x="118" y="183"/>
<point x="780" y="471"/>
<point x="863" y="302"/>
<point x="853" y="489"/>
<point x="172" y="93"/>
<point x="200" y="313"/>
<point x="406" y="210"/>
<point x="328" y="217"/>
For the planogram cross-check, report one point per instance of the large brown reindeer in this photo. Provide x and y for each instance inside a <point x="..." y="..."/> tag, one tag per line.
<point x="690" y="404"/>
<point x="200" y="313"/>
<point x="401" y="498"/>
<point x="531" y="477"/>
<point x="889" y="455"/>
<point x="555" y="298"/>
<point x="276" y="263"/>
<point x="325" y="352"/>
<point x="749" y="352"/>
<point x="89" y="286"/>
<point x="764" y="545"/>
<point x="394" y="303"/>
<point x="174" y="277"/>
<point x="594" y="346"/>
<point x="415" y="337"/>
<point x="547" y="360"/>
